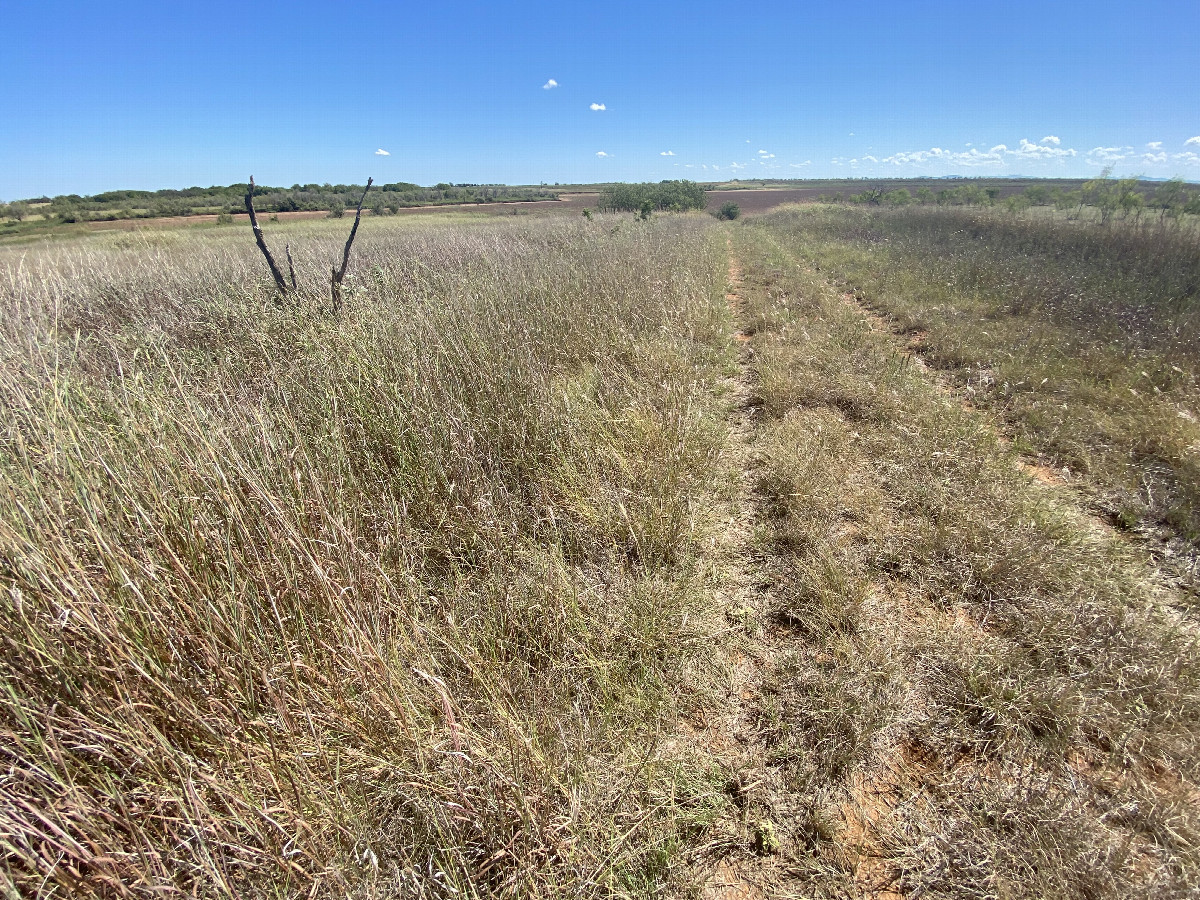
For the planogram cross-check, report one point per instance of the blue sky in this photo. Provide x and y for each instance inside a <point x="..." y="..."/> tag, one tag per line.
<point x="130" y="94"/>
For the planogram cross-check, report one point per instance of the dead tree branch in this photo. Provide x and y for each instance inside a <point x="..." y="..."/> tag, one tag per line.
<point x="262" y="244"/>
<point x="335" y="274"/>
<point x="287" y="249"/>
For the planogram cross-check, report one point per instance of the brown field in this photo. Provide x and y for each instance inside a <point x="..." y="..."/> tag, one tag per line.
<point x="762" y="200"/>
<point x="566" y="202"/>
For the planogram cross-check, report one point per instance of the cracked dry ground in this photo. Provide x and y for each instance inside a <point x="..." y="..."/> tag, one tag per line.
<point x="939" y="676"/>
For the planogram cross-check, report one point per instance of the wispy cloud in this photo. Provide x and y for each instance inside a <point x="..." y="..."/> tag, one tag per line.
<point x="807" y="162"/>
<point x="762" y="152"/>
<point x="1108" y="156"/>
<point x="550" y="85"/>
<point x="382" y="152"/>
<point x="597" y="107"/>
<point x="736" y="166"/>
<point x="1050" y="139"/>
<point x="602" y="154"/>
<point x="1154" y="145"/>
<point x="1192" y="140"/>
<point x="667" y="153"/>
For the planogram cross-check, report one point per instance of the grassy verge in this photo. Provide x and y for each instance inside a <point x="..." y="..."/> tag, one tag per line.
<point x="972" y="693"/>
<point x="391" y="604"/>
<point x="1085" y="340"/>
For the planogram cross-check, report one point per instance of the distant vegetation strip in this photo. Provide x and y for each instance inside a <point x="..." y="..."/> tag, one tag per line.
<point x="191" y="201"/>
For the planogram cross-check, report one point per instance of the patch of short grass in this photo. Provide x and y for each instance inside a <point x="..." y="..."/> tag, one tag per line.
<point x="1084" y="339"/>
<point x="982" y="685"/>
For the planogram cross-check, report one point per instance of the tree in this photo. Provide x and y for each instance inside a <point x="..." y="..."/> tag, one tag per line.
<point x="924" y="195"/>
<point x="18" y="210"/>
<point x="337" y="209"/>
<point x="669" y="196"/>
<point x="1038" y="194"/>
<point x="1170" y="199"/>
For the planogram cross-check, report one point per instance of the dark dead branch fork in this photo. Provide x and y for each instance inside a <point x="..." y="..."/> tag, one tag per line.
<point x="336" y="274"/>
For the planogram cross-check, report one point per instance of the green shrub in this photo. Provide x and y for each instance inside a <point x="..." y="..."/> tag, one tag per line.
<point x="668" y="196"/>
<point x="728" y="211"/>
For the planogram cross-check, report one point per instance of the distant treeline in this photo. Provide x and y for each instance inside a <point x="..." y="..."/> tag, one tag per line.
<point x="231" y="199"/>
<point x="668" y="196"/>
<point x="1110" y="196"/>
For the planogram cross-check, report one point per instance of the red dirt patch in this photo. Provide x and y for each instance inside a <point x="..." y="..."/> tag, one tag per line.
<point x="755" y="202"/>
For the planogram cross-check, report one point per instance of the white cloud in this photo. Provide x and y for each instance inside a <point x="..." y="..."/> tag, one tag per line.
<point x="807" y="162"/>
<point x="1188" y="158"/>
<point x="762" y="152"/>
<point x="1155" y="159"/>
<point x="597" y="107"/>
<point x="1154" y="145"/>
<point x="736" y="166"/>
<point x="667" y="153"/>
<point x="1108" y="155"/>
<point x="1192" y="140"/>
<point x="766" y="156"/>
<point x="1051" y="139"/>
<point x="382" y="152"/>
<point x="870" y="158"/>
<point x="1030" y="150"/>
<point x="852" y="134"/>
<point x="550" y="85"/>
<point x="602" y="154"/>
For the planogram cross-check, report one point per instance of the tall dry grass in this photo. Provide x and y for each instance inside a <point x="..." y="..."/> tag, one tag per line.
<point x="387" y="604"/>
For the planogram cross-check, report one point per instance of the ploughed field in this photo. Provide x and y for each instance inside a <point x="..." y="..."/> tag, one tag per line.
<point x="833" y="552"/>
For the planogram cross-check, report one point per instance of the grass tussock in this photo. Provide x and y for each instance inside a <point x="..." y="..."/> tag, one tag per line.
<point x="389" y="604"/>
<point x="976" y="693"/>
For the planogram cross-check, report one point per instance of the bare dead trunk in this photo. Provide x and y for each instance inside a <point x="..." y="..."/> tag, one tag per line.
<point x="335" y="274"/>
<point x="280" y="284"/>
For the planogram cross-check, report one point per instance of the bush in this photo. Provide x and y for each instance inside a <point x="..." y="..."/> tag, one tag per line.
<point x="337" y="209"/>
<point x="224" y="219"/>
<point x="728" y="211"/>
<point x="668" y="196"/>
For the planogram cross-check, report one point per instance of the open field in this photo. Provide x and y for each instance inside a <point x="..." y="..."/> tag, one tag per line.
<point x="566" y="203"/>
<point x="829" y="553"/>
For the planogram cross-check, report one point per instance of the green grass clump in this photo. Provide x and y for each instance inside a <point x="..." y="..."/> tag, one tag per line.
<point x="385" y="604"/>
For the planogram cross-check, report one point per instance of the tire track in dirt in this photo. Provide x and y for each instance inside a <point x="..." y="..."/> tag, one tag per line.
<point x="1032" y="466"/>
<point x="738" y="861"/>
<point x="1058" y="485"/>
